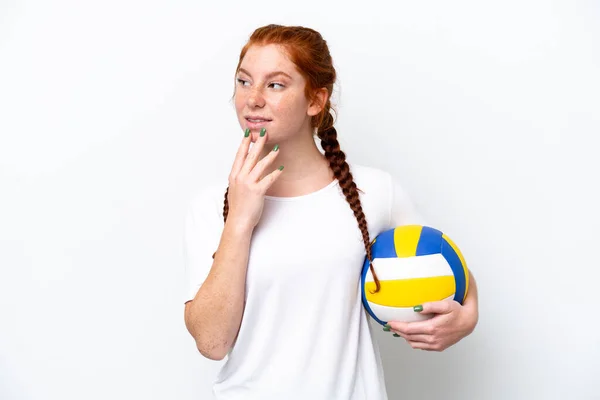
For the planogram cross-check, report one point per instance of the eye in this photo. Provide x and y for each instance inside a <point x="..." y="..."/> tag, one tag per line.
<point x="281" y="86"/>
<point x="241" y="81"/>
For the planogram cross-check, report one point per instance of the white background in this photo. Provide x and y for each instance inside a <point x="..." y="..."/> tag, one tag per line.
<point x="113" y="113"/>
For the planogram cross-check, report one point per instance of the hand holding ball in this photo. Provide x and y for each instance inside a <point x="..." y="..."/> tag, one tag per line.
<point x="414" y="264"/>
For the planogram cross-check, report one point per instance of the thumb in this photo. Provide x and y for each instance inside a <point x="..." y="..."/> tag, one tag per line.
<point x="435" y="307"/>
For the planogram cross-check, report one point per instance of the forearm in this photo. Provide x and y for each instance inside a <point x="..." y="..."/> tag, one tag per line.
<point x="214" y="316"/>
<point x="471" y="302"/>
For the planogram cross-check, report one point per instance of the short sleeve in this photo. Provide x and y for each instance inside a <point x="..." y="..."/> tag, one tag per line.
<point x="203" y="226"/>
<point x="403" y="210"/>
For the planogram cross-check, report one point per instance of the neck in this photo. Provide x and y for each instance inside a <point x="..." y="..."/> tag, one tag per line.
<point x="305" y="168"/>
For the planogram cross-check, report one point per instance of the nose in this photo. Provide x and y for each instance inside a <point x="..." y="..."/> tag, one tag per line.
<point x="255" y="99"/>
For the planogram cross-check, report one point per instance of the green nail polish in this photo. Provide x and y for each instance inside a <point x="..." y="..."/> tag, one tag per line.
<point x="418" y="308"/>
<point x="262" y="132"/>
<point x="387" y="327"/>
<point x="396" y="335"/>
<point x="281" y="168"/>
<point x="276" y="147"/>
<point x="247" y="132"/>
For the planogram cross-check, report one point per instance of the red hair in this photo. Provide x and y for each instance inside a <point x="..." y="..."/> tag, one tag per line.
<point x="307" y="49"/>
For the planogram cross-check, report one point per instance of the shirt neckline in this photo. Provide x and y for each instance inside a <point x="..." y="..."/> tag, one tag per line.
<point x="331" y="184"/>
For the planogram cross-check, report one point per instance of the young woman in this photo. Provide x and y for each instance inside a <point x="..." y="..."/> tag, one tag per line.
<point x="274" y="255"/>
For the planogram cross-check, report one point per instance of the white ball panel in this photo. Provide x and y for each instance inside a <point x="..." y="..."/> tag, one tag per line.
<point x="410" y="267"/>
<point x="405" y="314"/>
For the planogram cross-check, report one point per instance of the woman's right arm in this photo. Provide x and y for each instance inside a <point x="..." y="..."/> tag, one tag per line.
<point x="214" y="316"/>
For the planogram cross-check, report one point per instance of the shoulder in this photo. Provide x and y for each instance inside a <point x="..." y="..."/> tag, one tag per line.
<point x="382" y="192"/>
<point x="371" y="179"/>
<point x="206" y="202"/>
<point x="375" y="186"/>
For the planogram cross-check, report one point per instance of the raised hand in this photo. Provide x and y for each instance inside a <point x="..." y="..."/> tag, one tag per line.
<point x="247" y="185"/>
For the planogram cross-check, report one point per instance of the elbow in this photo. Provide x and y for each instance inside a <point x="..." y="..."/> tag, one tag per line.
<point x="215" y="353"/>
<point x="213" y="347"/>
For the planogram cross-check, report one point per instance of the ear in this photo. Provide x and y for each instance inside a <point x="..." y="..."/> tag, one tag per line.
<point x="318" y="102"/>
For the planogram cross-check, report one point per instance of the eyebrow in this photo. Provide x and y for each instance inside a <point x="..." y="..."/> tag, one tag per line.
<point x="269" y="75"/>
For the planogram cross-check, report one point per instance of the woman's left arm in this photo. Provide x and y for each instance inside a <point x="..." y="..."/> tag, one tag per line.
<point x="451" y="322"/>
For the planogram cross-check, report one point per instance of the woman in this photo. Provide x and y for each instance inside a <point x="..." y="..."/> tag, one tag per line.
<point x="273" y="265"/>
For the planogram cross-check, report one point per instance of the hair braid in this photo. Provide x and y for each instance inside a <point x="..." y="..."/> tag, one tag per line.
<point x="226" y="205"/>
<point x="225" y="210"/>
<point x="341" y="170"/>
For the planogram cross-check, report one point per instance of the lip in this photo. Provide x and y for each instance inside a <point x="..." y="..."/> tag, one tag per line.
<point x="257" y="124"/>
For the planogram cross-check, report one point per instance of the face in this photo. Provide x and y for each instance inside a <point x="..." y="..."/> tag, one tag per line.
<point x="269" y="94"/>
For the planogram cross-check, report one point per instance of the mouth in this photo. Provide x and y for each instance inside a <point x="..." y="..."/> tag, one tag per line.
<point x="257" y="122"/>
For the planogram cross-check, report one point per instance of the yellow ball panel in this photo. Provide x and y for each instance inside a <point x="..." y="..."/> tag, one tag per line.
<point x="406" y="239"/>
<point x="410" y="292"/>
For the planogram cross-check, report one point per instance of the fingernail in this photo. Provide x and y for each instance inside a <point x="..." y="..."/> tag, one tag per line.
<point x="262" y="132"/>
<point x="247" y="132"/>
<point x="281" y="168"/>
<point x="418" y="308"/>
<point x="386" y="327"/>
<point x="396" y="335"/>
<point x="276" y="147"/>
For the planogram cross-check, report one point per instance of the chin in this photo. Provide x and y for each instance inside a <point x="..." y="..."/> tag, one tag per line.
<point x="271" y="134"/>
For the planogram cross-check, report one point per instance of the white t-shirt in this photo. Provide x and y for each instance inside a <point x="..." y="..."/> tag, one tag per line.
<point x="304" y="333"/>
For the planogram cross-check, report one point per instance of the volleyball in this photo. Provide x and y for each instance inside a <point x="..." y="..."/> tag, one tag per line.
<point x="414" y="264"/>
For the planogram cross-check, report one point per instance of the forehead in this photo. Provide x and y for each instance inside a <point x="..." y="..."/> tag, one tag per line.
<point x="261" y="60"/>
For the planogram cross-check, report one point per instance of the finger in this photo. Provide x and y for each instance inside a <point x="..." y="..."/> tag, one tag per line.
<point x="428" y="339"/>
<point x="268" y="180"/>
<point x="412" y="328"/>
<point x="438" y="307"/>
<point x="255" y="152"/>
<point x="241" y="154"/>
<point x="415" y="341"/>
<point x="421" y="346"/>
<point x="262" y="165"/>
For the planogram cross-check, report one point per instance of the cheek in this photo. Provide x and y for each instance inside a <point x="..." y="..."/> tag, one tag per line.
<point x="289" y="107"/>
<point x="239" y="102"/>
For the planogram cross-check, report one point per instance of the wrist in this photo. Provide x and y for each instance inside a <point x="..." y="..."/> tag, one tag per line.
<point x="238" y="228"/>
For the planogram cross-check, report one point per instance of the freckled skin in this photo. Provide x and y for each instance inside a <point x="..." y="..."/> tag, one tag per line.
<point x="287" y="106"/>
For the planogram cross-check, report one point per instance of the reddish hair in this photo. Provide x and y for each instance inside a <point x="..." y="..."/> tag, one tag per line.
<point x="307" y="49"/>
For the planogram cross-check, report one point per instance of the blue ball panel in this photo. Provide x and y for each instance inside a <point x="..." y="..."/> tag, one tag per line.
<point x="457" y="268"/>
<point x="430" y="242"/>
<point x="384" y="245"/>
